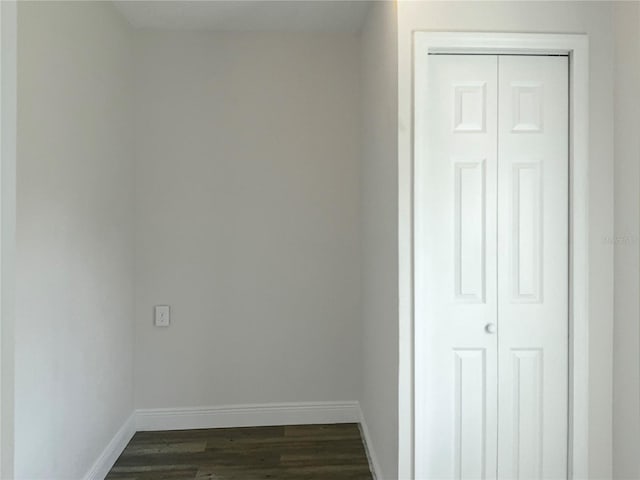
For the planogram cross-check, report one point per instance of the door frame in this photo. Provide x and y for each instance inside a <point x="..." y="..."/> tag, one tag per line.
<point x="576" y="46"/>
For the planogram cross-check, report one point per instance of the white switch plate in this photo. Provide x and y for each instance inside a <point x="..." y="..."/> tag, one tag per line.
<point x="162" y="316"/>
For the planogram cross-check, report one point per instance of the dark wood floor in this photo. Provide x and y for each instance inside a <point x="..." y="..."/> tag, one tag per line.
<point x="302" y="452"/>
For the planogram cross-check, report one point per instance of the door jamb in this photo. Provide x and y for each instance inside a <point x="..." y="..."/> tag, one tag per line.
<point x="577" y="47"/>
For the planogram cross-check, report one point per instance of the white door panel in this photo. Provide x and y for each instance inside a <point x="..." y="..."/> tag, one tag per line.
<point x="460" y="423"/>
<point x="492" y="396"/>
<point x="533" y="239"/>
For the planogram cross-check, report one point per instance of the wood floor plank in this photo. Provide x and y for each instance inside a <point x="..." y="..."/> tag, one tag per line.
<point x="300" y="452"/>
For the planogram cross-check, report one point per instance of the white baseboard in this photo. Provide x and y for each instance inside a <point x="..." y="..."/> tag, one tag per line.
<point x="113" y="450"/>
<point x="374" y="466"/>
<point x="247" y="415"/>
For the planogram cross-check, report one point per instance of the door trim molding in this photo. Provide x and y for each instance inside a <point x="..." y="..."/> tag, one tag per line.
<point x="576" y="46"/>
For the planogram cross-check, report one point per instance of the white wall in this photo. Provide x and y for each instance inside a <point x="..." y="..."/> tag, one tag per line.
<point x="247" y="218"/>
<point x="596" y="20"/>
<point x="379" y="197"/>
<point x="626" y="373"/>
<point x="74" y="328"/>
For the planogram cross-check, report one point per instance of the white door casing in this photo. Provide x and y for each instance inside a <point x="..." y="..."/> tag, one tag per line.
<point x="414" y="227"/>
<point x="494" y="269"/>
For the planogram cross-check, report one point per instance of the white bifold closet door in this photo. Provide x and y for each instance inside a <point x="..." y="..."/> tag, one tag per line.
<point x="494" y="345"/>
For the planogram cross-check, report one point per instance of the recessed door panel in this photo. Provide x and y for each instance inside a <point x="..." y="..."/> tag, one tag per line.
<point x="470" y="413"/>
<point x="528" y="394"/>
<point x="527" y="256"/>
<point x="470" y="232"/>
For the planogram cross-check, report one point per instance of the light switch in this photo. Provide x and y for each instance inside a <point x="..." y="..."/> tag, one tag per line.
<point x="162" y="316"/>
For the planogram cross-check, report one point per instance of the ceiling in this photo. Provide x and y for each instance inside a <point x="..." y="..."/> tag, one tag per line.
<point x="247" y="15"/>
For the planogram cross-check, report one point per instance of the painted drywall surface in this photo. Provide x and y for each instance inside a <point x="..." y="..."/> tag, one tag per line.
<point x="74" y="328"/>
<point x="626" y="356"/>
<point x="379" y="197"/>
<point x="595" y="19"/>
<point x="247" y="218"/>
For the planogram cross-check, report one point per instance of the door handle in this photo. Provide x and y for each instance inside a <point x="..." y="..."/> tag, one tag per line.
<point x="490" y="328"/>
